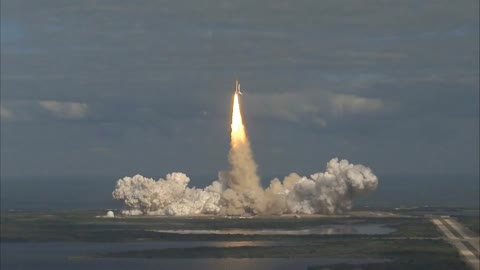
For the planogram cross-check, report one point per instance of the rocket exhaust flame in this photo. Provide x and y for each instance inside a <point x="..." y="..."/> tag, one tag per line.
<point x="238" y="135"/>
<point x="238" y="192"/>
<point x="243" y="181"/>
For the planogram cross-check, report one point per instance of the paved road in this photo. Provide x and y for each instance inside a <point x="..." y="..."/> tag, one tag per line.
<point x="465" y="233"/>
<point x="463" y="239"/>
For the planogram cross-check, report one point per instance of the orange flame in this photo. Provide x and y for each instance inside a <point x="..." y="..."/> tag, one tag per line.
<point x="238" y="130"/>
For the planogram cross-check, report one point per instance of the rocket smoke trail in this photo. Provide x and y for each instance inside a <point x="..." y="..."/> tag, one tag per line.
<point x="243" y="173"/>
<point x="243" y="180"/>
<point x="238" y="191"/>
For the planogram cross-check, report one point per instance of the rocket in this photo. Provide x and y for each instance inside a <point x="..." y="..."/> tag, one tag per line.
<point x="237" y="88"/>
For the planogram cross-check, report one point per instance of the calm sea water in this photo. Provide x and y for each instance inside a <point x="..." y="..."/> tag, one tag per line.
<point x="95" y="192"/>
<point x="53" y="256"/>
<point x="370" y="229"/>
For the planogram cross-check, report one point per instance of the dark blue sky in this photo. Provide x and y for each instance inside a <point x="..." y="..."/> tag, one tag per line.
<point x="124" y="87"/>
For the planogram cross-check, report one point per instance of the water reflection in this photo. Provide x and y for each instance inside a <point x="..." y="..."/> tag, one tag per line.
<point x="57" y="256"/>
<point x="370" y="229"/>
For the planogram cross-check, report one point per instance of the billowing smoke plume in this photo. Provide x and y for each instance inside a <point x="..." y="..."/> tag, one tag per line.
<point x="169" y="196"/>
<point x="326" y="192"/>
<point x="244" y="193"/>
<point x="238" y="192"/>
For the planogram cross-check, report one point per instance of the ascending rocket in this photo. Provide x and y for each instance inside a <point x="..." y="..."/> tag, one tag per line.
<point x="237" y="88"/>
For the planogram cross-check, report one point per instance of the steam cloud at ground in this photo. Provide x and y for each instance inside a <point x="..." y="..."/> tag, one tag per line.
<point x="238" y="191"/>
<point x="326" y="192"/>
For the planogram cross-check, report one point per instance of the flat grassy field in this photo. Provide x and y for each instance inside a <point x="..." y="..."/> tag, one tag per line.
<point x="471" y="222"/>
<point x="83" y="226"/>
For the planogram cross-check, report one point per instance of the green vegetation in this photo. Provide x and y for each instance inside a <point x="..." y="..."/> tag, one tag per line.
<point x="471" y="222"/>
<point x="416" y="243"/>
<point x="427" y="211"/>
<point x="405" y="264"/>
<point x="415" y="228"/>
<point x="83" y="226"/>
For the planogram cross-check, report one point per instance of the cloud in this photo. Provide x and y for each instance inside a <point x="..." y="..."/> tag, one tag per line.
<point x="99" y="149"/>
<point x="68" y="110"/>
<point x="190" y="71"/>
<point x="311" y="108"/>
<point x="371" y="54"/>
<point x="342" y="104"/>
<point x="289" y="107"/>
<point x="6" y="114"/>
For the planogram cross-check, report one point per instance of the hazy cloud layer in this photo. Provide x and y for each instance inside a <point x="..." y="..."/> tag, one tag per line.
<point x="378" y="83"/>
<point x="5" y="114"/>
<point x="354" y="104"/>
<point x="312" y="109"/>
<point x="70" y="110"/>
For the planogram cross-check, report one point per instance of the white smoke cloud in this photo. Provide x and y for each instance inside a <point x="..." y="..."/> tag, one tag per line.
<point x="169" y="196"/>
<point x="326" y="192"/>
<point x="238" y="192"/>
